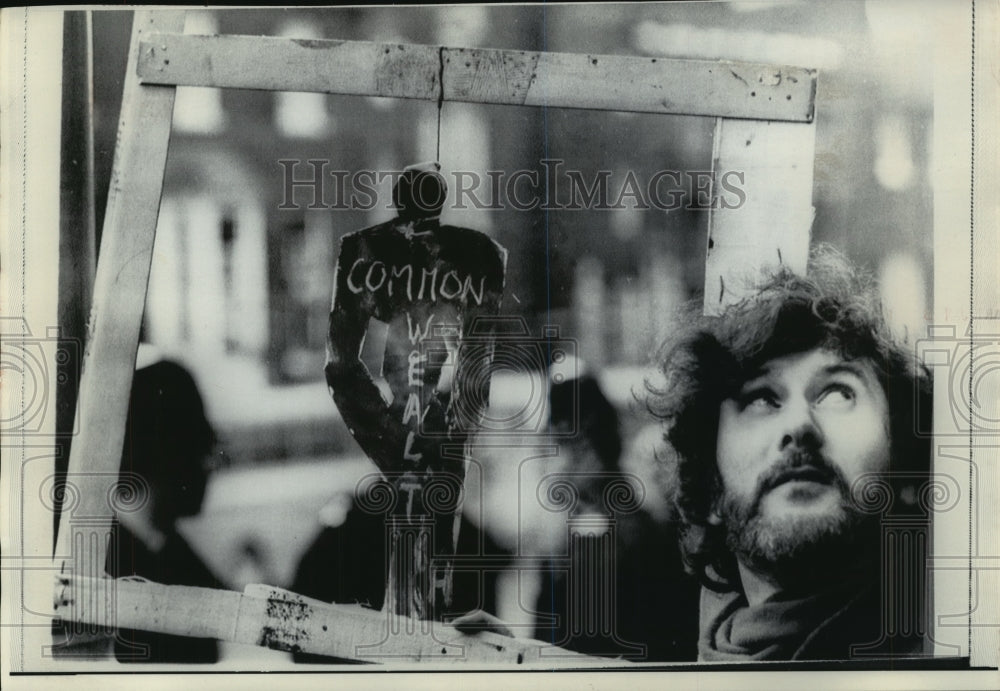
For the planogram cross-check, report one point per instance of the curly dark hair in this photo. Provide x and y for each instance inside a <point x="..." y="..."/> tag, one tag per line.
<point x="709" y="358"/>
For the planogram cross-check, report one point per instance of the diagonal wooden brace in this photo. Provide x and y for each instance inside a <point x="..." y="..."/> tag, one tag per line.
<point x="282" y="620"/>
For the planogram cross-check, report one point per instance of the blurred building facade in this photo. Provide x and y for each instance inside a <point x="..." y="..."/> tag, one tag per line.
<point x="242" y="274"/>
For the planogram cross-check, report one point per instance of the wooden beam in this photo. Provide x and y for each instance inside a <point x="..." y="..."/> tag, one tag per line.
<point x="282" y="620"/>
<point x="116" y="313"/>
<point x="506" y="77"/>
<point x="761" y="208"/>
<point x="76" y="222"/>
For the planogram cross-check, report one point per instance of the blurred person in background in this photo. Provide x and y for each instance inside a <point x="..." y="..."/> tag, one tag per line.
<point x="625" y="591"/>
<point x="783" y="412"/>
<point x="168" y="446"/>
<point x="346" y="564"/>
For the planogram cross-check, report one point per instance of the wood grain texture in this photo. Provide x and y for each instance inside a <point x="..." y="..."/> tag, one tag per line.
<point x="506" y="77"/>
<point x="116" y="313"/>
<point x="772" y="226"/>
<point x="281" y="620"/>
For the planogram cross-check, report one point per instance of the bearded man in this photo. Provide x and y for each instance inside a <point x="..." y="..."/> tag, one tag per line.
<point x="784" y="413"/>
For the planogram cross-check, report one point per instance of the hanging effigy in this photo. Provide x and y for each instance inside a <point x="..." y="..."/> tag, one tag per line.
<point x="431" y="288"/>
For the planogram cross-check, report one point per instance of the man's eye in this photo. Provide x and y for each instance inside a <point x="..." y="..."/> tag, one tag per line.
<point x="836" y="395"/>
<point x="759" y="400"/>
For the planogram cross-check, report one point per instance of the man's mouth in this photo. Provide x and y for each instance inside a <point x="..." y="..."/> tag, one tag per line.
<point x="801" y="474"/>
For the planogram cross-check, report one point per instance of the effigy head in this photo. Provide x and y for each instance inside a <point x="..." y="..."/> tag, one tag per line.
<point x="420" y="191"/>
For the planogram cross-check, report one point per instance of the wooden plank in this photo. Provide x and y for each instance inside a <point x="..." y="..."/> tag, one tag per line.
<point x="287" y="64"/>
<point x="761" y="213"/>
<point x="77" y="256"/>
<point x="506" y="77"/>
<point x="282" y="620"/>
<point x="116" y="314"/>
<point x="618" y="83"/>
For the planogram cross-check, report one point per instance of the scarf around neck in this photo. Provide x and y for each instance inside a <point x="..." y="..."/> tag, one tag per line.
<point x="783" y="628"/>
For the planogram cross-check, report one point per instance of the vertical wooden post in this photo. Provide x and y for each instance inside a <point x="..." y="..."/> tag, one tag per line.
<point x="761" y="212"/>
<point x="76" y="223"/>
<point x="116" y="315"/>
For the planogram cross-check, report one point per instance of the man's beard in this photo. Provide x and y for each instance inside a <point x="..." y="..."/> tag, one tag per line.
<point x="800" y="549"/>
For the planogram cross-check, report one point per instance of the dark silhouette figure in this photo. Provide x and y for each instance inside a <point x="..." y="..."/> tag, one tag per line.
<point x="622" y="590"/>
<point x="168" y="441"/>
<point x="346" y="564"/>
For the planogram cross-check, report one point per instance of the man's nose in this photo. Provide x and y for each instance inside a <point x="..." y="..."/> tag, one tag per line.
<point x="799" y="427"/>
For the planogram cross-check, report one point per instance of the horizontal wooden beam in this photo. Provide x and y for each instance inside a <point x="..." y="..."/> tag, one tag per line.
<point x="278" y="619"/>
<point x="506" y="77"/>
